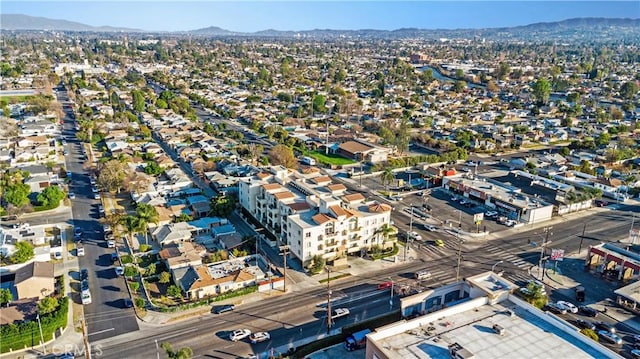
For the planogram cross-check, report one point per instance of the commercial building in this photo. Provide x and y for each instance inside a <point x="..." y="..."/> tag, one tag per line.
<point x="484" y="320"/>
<point x="508" y="200"/>
<point x="312" y="215"/>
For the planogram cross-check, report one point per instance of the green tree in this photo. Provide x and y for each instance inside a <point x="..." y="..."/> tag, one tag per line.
<point x="130" y="271"/>
<point x="151" y="269"/>
<point x="317" y="264"/>
<point x="387" y="177"/>
<point x="183" y="217"/>
<point x="152" y="168"/>
<point x="138" y="100"/>
<point x="183" y="353"/>
<point x="387" y="231"/>
<point x="164" y="277"/>
<point x="403" y="136"/>
<point x="50" y="196"/>
<point x="17" y="194"/>
<point x="222" y="205"/>
<point x="542" y="90"/>
<point x="146" y="214"/>
<point x="603" y="139"/>
<point x="111" y="175"/>
<point x="5" y="296"/>
<point x="174" y="291"/>
<point x="319" y="103"/>
<point x="23" y="253"/>
<point x="628" y="90"/>
<point x="459" y="86"/>
<point x="47" y="305"/>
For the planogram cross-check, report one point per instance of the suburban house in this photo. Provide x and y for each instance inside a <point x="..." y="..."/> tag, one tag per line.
<point x="363" y="151"/>
<point x="182" y="254"/>
<point x="35" y="280"/>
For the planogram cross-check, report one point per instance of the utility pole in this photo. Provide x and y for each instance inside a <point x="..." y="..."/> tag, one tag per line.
<point x="285" y="251"/>
<point x="584" y="228"/>
<point x="459" y="255"/>
<point x="391" y="295"/>
<point x="409" y="235"/>
<point x="328" y="300"/>
<point x="44" y="349"/>
<point x="361" y="169"/>
<point x="545" y="242"/>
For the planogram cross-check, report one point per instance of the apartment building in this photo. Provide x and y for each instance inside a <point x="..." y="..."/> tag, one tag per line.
<point x="312" y="215"/>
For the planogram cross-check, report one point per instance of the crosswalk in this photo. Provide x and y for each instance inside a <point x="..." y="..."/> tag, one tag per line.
<point x="518" y="277"/>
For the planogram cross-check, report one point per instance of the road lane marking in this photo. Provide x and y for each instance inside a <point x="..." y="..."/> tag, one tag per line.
<point x="102" y="331"/>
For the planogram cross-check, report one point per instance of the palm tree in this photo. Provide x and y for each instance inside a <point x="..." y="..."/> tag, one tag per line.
<point x="387" y="231"/>
<point x="387" y="177"/>
<point x="146" y="214"/>
<point x="132" y="225"/>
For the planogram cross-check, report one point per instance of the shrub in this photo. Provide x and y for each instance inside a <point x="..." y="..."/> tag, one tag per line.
<point x="22" y="334"/>
<point x="130" y="271"/>
<point x="165" y="278"/>
<point x="145" y="248"/>
<point x="139" y="302"/>
<point x="589" y="333"/>
<point x="134" y="286"/>
<point x="126" y="259"/>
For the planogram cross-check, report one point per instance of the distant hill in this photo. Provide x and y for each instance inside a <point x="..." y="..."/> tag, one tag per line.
<point x="589" y="29"/>
<point x="26" y="22"/>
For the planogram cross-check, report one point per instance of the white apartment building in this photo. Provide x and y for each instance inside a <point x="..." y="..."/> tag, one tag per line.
<point x="312" y="215"/>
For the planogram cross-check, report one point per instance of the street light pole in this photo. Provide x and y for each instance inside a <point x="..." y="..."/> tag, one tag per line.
<point x="494" y="266"/>
<point x="459" y="255"/>
<point x="328" y="300"/>
<point x="584" y="228"/>
<point x="409" y="235"/>
<point x="391" y="295"/>
<point x="44" y="350"/>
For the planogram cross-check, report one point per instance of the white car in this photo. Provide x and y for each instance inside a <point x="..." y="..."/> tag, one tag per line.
<point x="510" y="223"/>
<point x="239" y="334"/>
<point x="119" y="270"/>
<point x="340" y="312"/>
<point x="111" y="244"/>
<point x="96" y="196"/>
<point x="86" y="297"/>
<point x="490" y="214"/>
<point x="430" y="228"/>
<point x="568" y="306"/>
<point x="259" y="337"/>
<point x="101" y="209"/>
<point x="414" y="235"/>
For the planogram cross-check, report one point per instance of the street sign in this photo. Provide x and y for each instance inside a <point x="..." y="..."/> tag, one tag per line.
<point x="557" y="254"/>
<point x="478" y="217"/>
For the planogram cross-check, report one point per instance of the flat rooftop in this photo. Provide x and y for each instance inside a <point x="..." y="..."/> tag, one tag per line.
<point x="526" y="336"/>
<point x="501" y="191"/>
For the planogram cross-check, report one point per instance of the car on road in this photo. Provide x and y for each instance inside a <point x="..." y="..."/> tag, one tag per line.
<point x="470" y="163"/>
<point x="605" y="327"/>
<point x="600" y="203"/>
<point x="100" y="209"/>
<point x="414" y="236"/>
<point x="94" y="189"/>
<point x="635" y="353"/>
<point x="609" y="337"/>
<point x="114" y="257"/>
<point x="223" y="308"/>
<point x="259" y="337"/>
<point x="72" y="195"/>
<point x="568" y="306"/>
<point x="588" y="311"/>
<point x="239" y="334"/>
<point x="510" y="223"/>
<point x="339" y="312"/>
<point x="119" y="270"/>
<point x="106" y="228"/>
<point x="553" y="307"/>
<point x="111" y="243"/>
<point x="84" y="274"/>
<point x="127" y="303"/>
<point x="430" y="227"/>
<point x="438" y="243"/>
<point x="584" y="324"/>
<point x="77" y="232"/>
<point x="84" y="285"/>
<point x="92" y="180"/>
<point x="96" y="196"/>
<point x="464" y="202"/>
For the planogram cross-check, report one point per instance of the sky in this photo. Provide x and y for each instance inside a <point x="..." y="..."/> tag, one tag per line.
<point x="250" y="16"/>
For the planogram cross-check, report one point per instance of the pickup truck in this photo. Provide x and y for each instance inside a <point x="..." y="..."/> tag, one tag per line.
<point x="356" y="340"/>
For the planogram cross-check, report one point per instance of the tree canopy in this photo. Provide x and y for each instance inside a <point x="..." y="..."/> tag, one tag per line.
<point x="23" y="253"/>
<point x="282" y="155"/>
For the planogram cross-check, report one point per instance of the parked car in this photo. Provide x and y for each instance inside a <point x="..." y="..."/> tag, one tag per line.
<point x="259" y="337"/>
<point x="339" y="312"/>
<point x="239" y="334"/>
<point x="223" y="308"/>
<point x="84" y="285"/>
<point x="72" y="195"/>
<point x="57" y="255"/>
<point x="127" y="303"/>
<point x="114" y="257"/>
<point x="510" y="223"/>
<point x="600" y="203"/>
<point x="77" y="232"/>
<point x="385" y="285"/>
<point x="490" y="214"/>
<point x="588" y="311"/>
<point x="84" y="274"/>
<point x="568" y="306"/>
<point x="605" y="327"/>
<point x="609" y="337"/>
<point x="635" y="353"/>
<point x="583" y="324"/>
<point x="111" y="243"/>
<point x="96" y="196"/>
<point x="119" y="270"/>
<point x="86" y="297"/>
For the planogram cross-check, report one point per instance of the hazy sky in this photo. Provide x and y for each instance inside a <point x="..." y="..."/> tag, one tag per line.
<point x="308" y="14"/>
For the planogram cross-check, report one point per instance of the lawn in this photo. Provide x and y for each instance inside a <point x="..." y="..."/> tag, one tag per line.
<point x="330" y="158"/>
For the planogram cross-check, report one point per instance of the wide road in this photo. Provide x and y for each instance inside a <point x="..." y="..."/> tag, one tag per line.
<point x="106" y="315"/>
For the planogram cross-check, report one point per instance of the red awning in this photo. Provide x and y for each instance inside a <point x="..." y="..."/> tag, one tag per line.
<point x="597" y="251"/>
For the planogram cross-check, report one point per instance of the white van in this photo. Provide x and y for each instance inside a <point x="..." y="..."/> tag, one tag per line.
<point x="80" y="250"/>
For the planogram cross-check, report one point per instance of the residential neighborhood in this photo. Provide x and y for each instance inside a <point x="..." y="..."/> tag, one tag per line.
<point x="307" y="188"/>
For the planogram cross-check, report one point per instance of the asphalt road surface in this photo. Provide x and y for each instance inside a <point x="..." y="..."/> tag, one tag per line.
<point x="105" y="316"/>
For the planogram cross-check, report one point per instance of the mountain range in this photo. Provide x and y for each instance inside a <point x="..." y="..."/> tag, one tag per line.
<point x="577" y="27"/>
